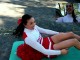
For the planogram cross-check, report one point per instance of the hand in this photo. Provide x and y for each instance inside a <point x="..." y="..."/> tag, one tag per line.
<point x="64" y="51"/>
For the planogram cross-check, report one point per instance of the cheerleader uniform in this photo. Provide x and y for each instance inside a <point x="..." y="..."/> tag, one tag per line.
<point x="67" y="19"/>
<point x="36" y="47"/>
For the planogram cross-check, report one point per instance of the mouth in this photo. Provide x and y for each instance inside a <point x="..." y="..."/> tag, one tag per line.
<point x="69" y="10"/>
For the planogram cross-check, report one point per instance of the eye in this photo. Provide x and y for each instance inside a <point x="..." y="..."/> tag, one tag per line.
<point x="31" y="23"/>
<point x="68" y="6"/>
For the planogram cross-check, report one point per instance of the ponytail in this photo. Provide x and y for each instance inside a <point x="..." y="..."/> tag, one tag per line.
<point x="19" y="30"/>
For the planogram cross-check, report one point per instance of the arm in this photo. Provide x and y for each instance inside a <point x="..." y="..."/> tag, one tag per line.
<point x="46" y="31"/>
<point x="34" y="44"/>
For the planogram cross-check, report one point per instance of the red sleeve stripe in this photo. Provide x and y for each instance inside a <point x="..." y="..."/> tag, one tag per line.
<point x="24" y="35"/>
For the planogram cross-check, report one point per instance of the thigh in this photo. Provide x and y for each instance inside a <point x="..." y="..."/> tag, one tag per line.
<point x="64" y="44"/>
<point x="61" y="37"/>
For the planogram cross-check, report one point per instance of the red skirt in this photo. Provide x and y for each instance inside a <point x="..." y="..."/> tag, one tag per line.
<point x="25" y="52"/>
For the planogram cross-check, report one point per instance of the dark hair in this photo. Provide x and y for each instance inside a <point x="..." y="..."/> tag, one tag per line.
<point x="74" y="17"/>
<point x="58" y="13"/>
<point x="73" y="14"/>
<point x="18" y="32"/>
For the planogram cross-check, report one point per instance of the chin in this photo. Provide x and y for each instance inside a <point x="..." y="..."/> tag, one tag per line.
<point x="32" y="29"/>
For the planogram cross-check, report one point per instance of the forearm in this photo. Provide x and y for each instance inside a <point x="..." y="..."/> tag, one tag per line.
<point x="50" y="32"/>
<point x="37" y="46"/>
<point x="52" y="52"/>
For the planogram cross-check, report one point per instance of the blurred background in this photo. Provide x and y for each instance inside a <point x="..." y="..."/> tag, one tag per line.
<point x="42" y="10"/>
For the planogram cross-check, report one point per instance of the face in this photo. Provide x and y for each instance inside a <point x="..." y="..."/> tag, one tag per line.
<point x="30" y="24"/>
<point x="69" y="8"/>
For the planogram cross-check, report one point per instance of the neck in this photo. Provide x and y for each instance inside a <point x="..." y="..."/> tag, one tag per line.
<point x="29" y="29"/>
<point x="69" y="14"/>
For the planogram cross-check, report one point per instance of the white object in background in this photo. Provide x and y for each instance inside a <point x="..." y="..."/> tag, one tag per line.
<point x="79" y="7"/>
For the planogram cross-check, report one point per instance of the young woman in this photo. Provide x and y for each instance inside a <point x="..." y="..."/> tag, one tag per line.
<point x="36" y="47"/>
<point x="70" y="15"/>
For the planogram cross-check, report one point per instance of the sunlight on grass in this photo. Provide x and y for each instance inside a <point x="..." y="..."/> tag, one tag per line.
<point x="11" y="10"/>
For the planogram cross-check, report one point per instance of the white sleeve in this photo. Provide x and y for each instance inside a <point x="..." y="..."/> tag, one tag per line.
<point x="46" y="31"/>
<point x="59" y="19"/>
<point x="34" y="44"/>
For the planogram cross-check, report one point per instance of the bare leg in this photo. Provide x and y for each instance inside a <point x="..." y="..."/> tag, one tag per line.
<point x="77" y="37"/>
<point x="64" y="36"/>
<point x="66" y="44"/>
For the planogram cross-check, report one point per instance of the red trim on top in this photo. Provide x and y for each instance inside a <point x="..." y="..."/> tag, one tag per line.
<point x="24" y="35"/>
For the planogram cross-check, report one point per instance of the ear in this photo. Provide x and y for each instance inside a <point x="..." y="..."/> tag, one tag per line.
<point x="24" y="25"/>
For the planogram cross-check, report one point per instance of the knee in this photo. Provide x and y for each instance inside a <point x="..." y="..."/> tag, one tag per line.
<point x="74" y="40"/>
<point x="71" y="34"/>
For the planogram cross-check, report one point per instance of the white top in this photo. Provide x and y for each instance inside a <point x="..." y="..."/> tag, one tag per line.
<point x="67" y="19"/>
<point x="34" y="35"/>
